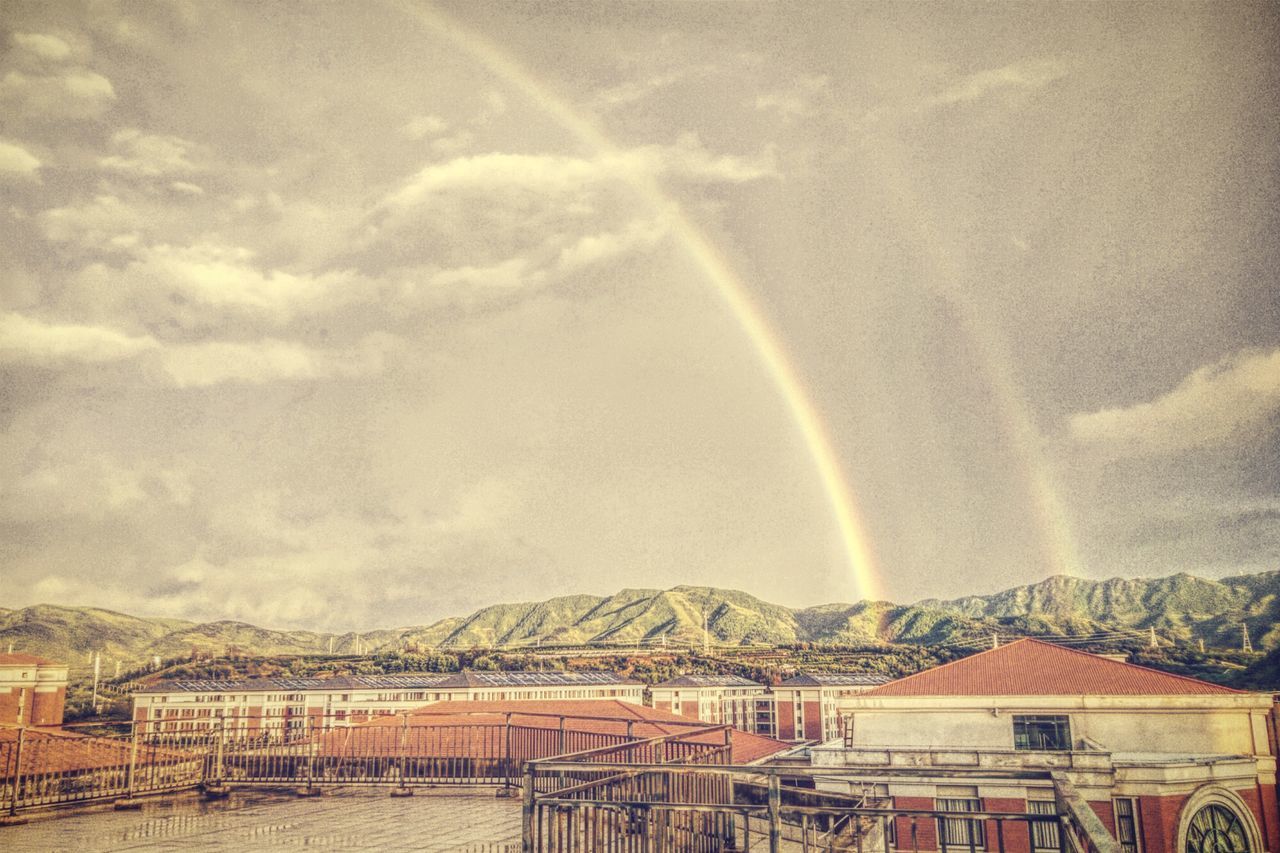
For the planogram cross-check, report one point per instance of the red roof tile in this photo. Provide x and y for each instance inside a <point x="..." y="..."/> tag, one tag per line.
<point x="1034" y="668"/>
<point x="19" y="659"/>
<point x="599" y="716"/>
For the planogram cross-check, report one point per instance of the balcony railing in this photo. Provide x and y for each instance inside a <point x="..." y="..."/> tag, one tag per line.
<point x="703" y="804"/>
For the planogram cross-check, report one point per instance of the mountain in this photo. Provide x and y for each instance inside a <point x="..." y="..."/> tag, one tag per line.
<point x="1182" y="606"/>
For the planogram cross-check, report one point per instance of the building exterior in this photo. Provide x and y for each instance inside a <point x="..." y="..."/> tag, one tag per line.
<point x="728" y="699"/>
<point x="33" y="691"/>
<point x="271" y="707"/>
<point x="809" y="704"/>
<point x="1167" y="763"/>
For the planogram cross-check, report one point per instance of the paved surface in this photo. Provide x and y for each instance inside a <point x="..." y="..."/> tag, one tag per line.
<point x="359" y="819"/>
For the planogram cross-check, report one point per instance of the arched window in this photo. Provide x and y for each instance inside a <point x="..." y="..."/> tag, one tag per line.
<point x="1216" y="829"/>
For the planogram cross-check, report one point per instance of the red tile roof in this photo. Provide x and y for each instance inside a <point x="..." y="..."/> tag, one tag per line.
<point x="598" y="716"/>
<point x="19" y="659"/>
<point x="1034" y="668"/>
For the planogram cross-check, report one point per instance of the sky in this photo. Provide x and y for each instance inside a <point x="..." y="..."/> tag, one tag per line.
<point x="357" y="315"/>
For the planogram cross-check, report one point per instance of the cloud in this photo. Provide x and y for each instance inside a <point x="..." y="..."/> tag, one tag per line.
<point x="104" y="222"/>
<point x="1232" y="401"/>
<point x="189" y="279"/>
<point x="43" y="46"/>
<point x="73" y="93"/>
<point x="16" y="160"/>
<point x="91" y="485"/>
<point x="24" y="340"/>
<point x="269" y="360"/>
<point x="688" y="160"/>
<point x="1026" y="75"/>
<point x="595" y="248"/>
<point x="796" y="100"/>
<point x="148" y="155"/>
<point x="420" y="127"/>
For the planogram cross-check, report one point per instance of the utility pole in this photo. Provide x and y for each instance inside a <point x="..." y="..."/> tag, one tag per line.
<point x="97" y="670"/>
<point x="1245" y="645"/>
<point x="1201" y="645"/>
<point x="1153" y="644"/>
<point x="995" y="640"/>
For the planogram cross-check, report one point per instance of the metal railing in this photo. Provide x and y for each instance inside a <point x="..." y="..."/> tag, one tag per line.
<point x="42" y="767"/>
<point x="702" y="805"/>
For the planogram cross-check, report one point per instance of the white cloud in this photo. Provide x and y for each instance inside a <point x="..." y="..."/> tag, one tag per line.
<point x="88" y="85"/>
<point x="595" y="248"/>
<point x="102" y="222"/>
<point x="28" y="341"/>
<point x="688" y="160"/>
<point x="74" y="93"/>
<point x="1234" y="400"/>
<point x="147" y="154"/>
<point x="222" y="277"/>
<point x="420" y="127"/>
<point x="43" y="46"/>
<point x="1026" y="75"/>
<point x="16" y="160"/>
<point x="186" y="188"/>
<point x="269" y="360"/>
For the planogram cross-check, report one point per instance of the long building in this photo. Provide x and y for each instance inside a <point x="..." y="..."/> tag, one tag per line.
<point x="272" y="706"/>
<point x="33" y="691"/>
<point x="1168" y="764"/>
<point x="719" y="699"/>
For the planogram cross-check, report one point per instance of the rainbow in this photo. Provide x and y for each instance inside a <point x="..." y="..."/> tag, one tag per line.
<point x="719" y="272"/>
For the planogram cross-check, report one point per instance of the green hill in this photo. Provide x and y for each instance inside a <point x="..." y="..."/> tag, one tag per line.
<point x="1180" y="607"/>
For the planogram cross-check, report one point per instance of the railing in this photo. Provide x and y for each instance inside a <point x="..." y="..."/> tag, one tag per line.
<point x="51" y="767"/>
<point x="576" y="806"/>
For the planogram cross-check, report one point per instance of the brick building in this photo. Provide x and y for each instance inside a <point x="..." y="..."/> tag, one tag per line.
<point x="1167" y="763"/>
<point x="739" y="702"/>
<point x="809" y="704"/>
<point x="271" y="706"/>
<point x="33" y="691"/>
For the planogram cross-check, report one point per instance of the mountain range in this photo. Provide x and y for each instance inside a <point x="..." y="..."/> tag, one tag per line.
<point x="1181" y="607"/>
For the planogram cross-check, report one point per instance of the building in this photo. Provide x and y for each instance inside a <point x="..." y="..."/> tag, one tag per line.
<point x="33" y="691"/>
<point x="809" y="704"/>
<point x="271" y="706"/>
<point x="728" y="699"/>
<point x="624" y="720"/>
<point x="1168" y="764"/>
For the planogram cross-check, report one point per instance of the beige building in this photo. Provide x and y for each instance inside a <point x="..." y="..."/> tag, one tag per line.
<point x="720" y="699"/>
<point x="271" y="706"/>
<point x="1167" y="763"/>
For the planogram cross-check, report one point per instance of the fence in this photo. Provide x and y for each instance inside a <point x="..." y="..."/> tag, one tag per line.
<point x="51" y="767"/>
<point x="572" y="805"/>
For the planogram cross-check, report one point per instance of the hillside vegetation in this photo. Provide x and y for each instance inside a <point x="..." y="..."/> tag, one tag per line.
<point x="1180" y="607"/>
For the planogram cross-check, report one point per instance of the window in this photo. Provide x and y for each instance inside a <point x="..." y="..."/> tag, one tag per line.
<point x="1127" y="831"/>
<point x="1044" y="834"/>
<point x="1041" y="732"/>
<point x="961" y="832"/>
<point x="1216" y="829"/>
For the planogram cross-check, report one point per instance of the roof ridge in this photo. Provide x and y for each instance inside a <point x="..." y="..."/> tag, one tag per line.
<point x="1100" y="671"/>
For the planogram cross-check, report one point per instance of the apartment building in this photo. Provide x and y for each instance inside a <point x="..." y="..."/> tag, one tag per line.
<point x="719" y="699"/>
<point x="33" y="691"/>
<point x="809" y="704"/>
<point x="273" y="706"/>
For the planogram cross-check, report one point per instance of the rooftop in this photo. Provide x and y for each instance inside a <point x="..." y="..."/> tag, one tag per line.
<point x="1035" y="668"/>
<point x="835" y="679"/>
<point x="709" y="681"/>
<point x="405" y="681"/>
<point x="608" y="716"/>
<point x="19" y="659"/>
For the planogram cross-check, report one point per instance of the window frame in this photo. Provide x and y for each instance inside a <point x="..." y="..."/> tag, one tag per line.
<point x="1034" y="740"/>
